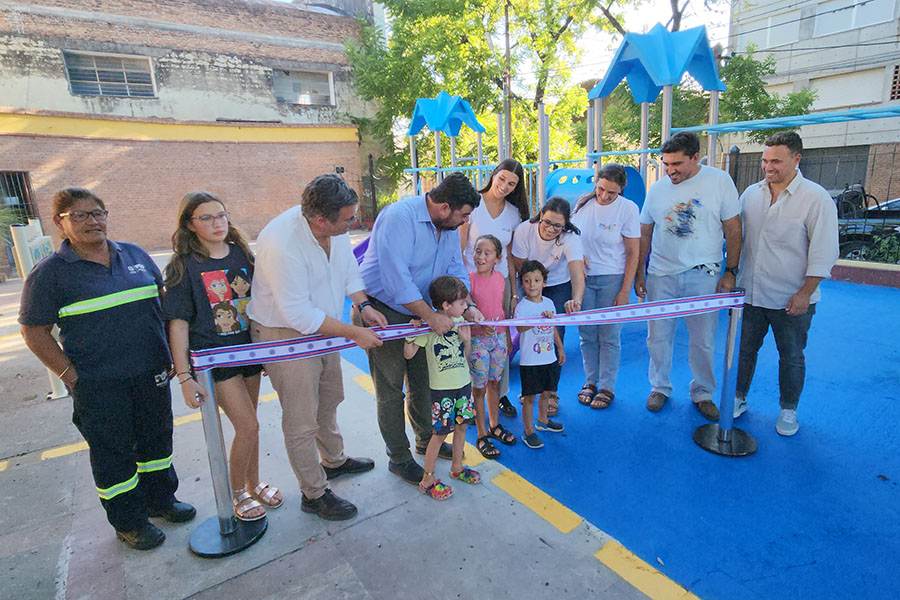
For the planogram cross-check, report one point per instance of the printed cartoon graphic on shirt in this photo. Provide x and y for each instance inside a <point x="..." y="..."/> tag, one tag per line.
<point x="227" y="318"/>
<point x="217" y="288"/>
<point x="608" y="227"/>
<point x="543" y="335"/>
<point x="241" y="305"/>
<point x="448" y="352"/>
<point x="239" y="282"/>
<point x="680" y="220"/>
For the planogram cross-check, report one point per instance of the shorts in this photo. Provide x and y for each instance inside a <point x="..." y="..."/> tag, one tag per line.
<point x="226" y="373"/>
<point x="450" y="408"/>
<point x="487" y="359"/>
<point x="537" y="379"/>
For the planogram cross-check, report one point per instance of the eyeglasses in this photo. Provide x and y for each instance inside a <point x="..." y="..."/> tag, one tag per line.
<point x="552" y="225"/>
<point x="209" y="219"/>
<point x="80" y="216"/>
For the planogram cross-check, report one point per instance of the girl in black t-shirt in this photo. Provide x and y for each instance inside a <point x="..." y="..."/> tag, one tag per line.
<point x="207" y="291"/>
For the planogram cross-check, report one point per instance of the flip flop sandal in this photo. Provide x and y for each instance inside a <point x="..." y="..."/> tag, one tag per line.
<point x="487" y="448"/>
<point x="467" y="475"/>
<point x="587" y="393"/>
<point x="603" y="399"/>
<point x="502" y="435"/>
<point x="264" y="493"/>
<point x="437" y="490"/>
<point x="244" y="503"/>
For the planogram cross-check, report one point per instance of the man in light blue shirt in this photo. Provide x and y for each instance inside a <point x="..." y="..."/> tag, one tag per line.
<point x="413" y="242"/>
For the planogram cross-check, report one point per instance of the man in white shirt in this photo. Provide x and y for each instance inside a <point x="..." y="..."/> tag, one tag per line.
<point x="790" y="245"/>
<point x="685" y="216"/>
<point x="304" y="268"/>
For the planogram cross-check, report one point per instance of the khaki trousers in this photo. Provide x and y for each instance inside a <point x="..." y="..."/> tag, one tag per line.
<point x="309" y="390"/>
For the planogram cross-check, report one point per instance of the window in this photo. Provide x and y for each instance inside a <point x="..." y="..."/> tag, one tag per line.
<point x="895" y="84"/>
<point x="844" y="15"/>
<point x="107" y="75"/>
<point x="16" y="194"/>
<point x="769" y="32"/>
<point x="303" y="87"/>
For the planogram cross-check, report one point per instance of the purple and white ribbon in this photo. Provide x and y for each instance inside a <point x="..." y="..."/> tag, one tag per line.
<point x="316" y="345"/>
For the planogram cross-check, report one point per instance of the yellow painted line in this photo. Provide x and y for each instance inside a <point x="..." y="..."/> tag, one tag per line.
<point x="268" y="397"/>
<point x="64" y="450"/>
<point x="3" y="465"/>
<point x="641" y="575"/>
<point x="534" y="498"/>
<point x="188" y="418"/>
<point x="10" y="336"/>
<point x="472" y="456"/>
<point x="365" y="382"/>
<point x="19" y="124"/>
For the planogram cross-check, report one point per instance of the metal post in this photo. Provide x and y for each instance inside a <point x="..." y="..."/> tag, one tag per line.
<point x="598" y="124"/>
<point x="543" y="154"/>
<point x="732" y="169"/>
<point x="721" y="438"/>
<point x="501" y="137"/>
<point x="645" y="137"/>
<point x="480" y="159"/>
<point x="666" y="114"/>
<point x="437" y="156"/>
<point x="453" y="151"/>
<point x="414" y="161"/>
<point x="588" y="162"/>
<point x="713" y="120"/>
<point x="223" y="534"/>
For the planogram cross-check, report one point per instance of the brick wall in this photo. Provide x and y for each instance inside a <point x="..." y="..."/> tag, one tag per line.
<point x="883" y="177"/>
<point x="142" y="183"/>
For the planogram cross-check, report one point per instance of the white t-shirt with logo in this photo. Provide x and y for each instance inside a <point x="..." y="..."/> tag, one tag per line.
<point x="482" y="223"/>
<point x="687" y="220"/>
<point x="536" y="346"/>
<point x="603" y="229"/>
<point x="555" y="254"/>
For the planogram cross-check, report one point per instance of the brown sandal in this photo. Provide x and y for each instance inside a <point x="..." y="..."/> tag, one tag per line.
<point x="603" y="398"/>
<point x="553" y="405"/>
<point x="587" y="393"/>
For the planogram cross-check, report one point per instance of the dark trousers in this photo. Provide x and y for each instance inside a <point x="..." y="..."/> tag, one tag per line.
<point x="127" y="424"/>
<point x="389" y="369"/>
<point x="790" y="338"/>
<point x="559" y="294"/>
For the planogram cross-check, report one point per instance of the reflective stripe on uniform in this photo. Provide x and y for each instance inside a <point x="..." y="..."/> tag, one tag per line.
<point x="120" y="488"/>
<point x="109" y="301"/>
<point x="155" y="465"/>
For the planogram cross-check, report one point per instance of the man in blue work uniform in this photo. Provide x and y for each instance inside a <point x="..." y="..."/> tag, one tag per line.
<point x="104" y="296"/>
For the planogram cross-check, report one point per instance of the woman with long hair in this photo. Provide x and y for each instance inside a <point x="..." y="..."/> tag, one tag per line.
<point x="207" y="288"/>
<point x="611" y="235"/>
<point x="551" y="238"/>
<point x="504" y="204"/>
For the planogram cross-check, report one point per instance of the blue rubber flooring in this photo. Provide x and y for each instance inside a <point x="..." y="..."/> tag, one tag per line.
<point x="816" y="515"/>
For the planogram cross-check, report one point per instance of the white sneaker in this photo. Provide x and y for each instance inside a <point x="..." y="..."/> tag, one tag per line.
<point x="787" y="423"/>
<point x="740" y="406"/>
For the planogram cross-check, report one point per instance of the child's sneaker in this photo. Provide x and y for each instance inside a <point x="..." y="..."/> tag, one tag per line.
<point x="740" y="406"/>
<point x="551" y="426"/>
<point x="532" y="441"/>
<point x="507" y="408"/>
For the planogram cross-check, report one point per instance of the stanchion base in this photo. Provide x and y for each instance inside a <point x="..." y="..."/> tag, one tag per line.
<point x="740" y="444"/>
<point x="208" y="542"/>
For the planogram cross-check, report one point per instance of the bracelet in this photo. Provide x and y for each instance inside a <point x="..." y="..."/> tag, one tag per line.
<point x="362" y="305"/>
<point x="515" y="296"/>
<point x="64" y="371"/>
<point x="471" y="305"/>
<point x="183" y="381"/>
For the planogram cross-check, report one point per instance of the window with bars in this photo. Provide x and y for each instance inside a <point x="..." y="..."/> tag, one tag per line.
<point x="895" y="83"/>
<point x="303" y="87"/>
<point x="106" y="75"/>
<point x="16" y="195"/>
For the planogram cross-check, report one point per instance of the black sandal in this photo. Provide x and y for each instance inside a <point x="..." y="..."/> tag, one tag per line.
<point x="487" y="448"/>
<point x="587" y="393"/>
<point x="502" y="435"/>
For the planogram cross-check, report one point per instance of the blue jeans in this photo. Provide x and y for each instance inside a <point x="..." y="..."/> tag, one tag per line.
<point x="790" y="338"/>
<point x="600" y="344"/>
<point x="701" y="333"/>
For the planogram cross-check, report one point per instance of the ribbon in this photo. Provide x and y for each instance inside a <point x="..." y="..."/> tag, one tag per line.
<point x="317" y="345"/>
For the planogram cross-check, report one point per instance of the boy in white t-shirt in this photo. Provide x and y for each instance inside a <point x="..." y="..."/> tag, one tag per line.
<point x="686" y="215"/>
<point x="538" y="364"/>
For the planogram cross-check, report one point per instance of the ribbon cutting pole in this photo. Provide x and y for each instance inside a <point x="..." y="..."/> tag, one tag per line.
<point x="223" y="534"/>
<point x="722" y="438"/>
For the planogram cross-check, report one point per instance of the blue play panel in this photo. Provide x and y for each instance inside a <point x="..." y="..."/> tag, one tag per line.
<point x="812" y="516"/>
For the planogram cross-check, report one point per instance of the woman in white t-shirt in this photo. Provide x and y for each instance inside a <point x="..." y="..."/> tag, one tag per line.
<point x="503" y="206"/>
<point x="610" y="235"/>
<point x="552" y="239"/>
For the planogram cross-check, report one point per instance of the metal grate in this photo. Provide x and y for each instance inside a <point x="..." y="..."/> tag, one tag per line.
<point x="16" y="194"/>
<point x="100" y="75"/>
<point x="895" y="84"/>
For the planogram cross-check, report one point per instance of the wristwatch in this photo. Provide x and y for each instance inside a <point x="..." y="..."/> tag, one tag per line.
<point x="471" y="305"/>
<point x="732" y="270"/>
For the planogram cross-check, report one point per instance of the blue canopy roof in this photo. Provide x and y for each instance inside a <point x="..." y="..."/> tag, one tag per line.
<point x="444" y="113"/>
<point x="657" y="58"/>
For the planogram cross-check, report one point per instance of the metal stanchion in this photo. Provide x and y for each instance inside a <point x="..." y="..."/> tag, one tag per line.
<point x="721" y="438"/>
<point x="223" y="534"/>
